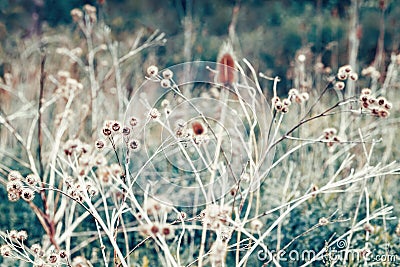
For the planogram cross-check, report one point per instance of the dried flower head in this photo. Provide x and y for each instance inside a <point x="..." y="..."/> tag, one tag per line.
<point x="182" y="215"/>
<point x="226" y="65"/>
<point x="381" y="100"/>
<point x="89" y="9"/>
<point x="153" y="206"/>
<point x="5" y="251"/>
<point x="13" y="234"/>
<point x="278" y="106"/>
<point x="330" y="132"/>
<point x="91" y="189"/>
<point x="76" y="14"/>
<point x="115" y="126"/>
<point x="62" y="254"/>
<point x="293" y="91"/>
<point x="215" y="216"/>
<point x="365" y="104"/>
<point x="388" y="105"/>
<point x="383" y="113"/>
<point x="134" y="144"/>
<point x="165" y="103"/>
<point x="168" y="232"/>
<point x="126" y="130"/>
<point x="14" y="175"/>
<point x="342" y="76"/>
<point x="32" y="179"/>
<point x="375" y="75"/>
<point x="100" y="144"/>
<point x="372" y="100"/>
<point x="53" y="258"/>
<point x="22" y="235"/>
<point x="366" y="91"/>
<point x="346" y="69"/>
<point x="287" y="102"/>
<point x="14" y="186"/>
<point x="301" y="58"/>
<point x="27" y="194"/>
<point x="36" y="249"/>
<point x="104" y="175"/>
<point x="154" y="229"/>
<point x="314" y="188"/>
<point x="364" y="98"/>
<point x="71" y="146"/>
<point x="107" y="131"/>
<point x="152" y="71"/>
<point x="133" y="121"/>
<point x="167" y="74"/>
<point x="305" y="96"/>
<point x="154" y="113"/>
<point x="99" y="160"/>
<point x="353" y="76"/>
<point x="339" y="85"/>
<point x="13" y="196"/>
<point x="165" y="83"/>
<point x="198" y="128"/>
<point x="323" y="221"/>
<point x="275" y="100"/>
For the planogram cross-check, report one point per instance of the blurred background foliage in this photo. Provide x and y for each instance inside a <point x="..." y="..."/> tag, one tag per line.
<point x="269" y="32"/>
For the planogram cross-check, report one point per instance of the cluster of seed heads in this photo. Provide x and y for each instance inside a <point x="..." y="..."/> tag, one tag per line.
<point x="113" y="128"/>
<point x="294" y="95"/>
<point x="195" y="131"/>
<point x="164" y="78"/>
<point x="72" y="146"/>
<point x="155" y="228"/>
<point x="15" y="237"/>
<point x="377" y="106"/>
<point x="16" y="242"/>
<point x="106" y="174"/>
<point x="76" y="189"/>
<point x="156" y="209"/>
<point x="215" y="216"/>
<point x="345" y="72"/>
<point x="372" y="72"/>
<point x="53" y="258"/>
<point x="20" y="187"/>
<point x="77" y="14"/>
<point x="330" y="137"/>
<point x="67" y="85"/>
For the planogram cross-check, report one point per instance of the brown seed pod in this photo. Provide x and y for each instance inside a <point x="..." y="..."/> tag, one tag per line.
<point x="198" y="128"/>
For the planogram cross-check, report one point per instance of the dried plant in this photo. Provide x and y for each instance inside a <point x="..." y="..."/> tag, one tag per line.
<point x="194" y="166"/>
